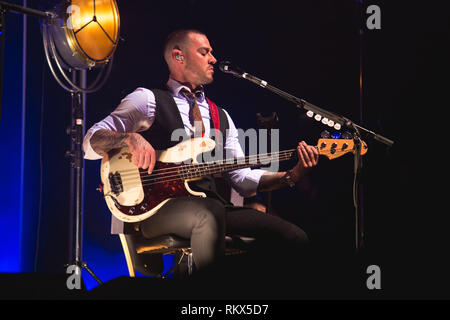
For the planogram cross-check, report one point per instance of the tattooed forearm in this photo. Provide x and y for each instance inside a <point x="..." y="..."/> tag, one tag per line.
<point x="104" y="140"/>
<point x="271" y="181"/>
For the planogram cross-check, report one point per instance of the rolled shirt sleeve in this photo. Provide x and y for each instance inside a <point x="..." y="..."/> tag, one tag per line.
<point x="135" y="113"/>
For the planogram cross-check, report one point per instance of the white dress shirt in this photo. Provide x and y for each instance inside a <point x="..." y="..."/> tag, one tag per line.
<point x="136" y="113"/>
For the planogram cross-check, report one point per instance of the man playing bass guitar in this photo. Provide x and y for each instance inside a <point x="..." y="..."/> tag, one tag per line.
<point x="144" y="122"/>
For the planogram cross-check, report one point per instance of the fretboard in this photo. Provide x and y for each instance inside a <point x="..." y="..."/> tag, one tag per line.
<point x="199" y="170"/>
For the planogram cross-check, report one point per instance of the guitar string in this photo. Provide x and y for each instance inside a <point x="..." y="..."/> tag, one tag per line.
<point x="205" y="167"/>
<point x="211" y="163"/>
<point x="191" y="172"/>
<point x="203" y="171"/>
<point x="131" y="172"/>
<point x="185" y="175"/>
<point x="165" y="179"/>
<point x="123" y="172"/>
<point x="171" y="178"/>
<point x="137" y="183"/>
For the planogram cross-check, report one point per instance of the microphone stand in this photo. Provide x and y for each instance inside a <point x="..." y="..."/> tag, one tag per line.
<point x="332" y="119"/>
<point x="303" y="104"/>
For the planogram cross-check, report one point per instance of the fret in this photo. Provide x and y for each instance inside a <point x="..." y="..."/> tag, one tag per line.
<point x="197" y="170"/>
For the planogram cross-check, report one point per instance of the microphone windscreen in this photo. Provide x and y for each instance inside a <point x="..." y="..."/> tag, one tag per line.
<point x="224" y="66"/>
<point x="227" y="67"/>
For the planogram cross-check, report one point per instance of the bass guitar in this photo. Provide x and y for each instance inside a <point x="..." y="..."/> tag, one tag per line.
<point x="133" y="195"/>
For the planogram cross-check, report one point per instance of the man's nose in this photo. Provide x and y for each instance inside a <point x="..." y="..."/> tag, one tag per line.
<point x="213" y="60"/>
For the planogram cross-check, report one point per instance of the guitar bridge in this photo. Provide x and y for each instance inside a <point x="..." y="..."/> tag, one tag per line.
<point x="115" y="181"/>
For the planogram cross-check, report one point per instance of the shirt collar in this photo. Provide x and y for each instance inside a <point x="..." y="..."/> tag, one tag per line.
<point x="175" y="87"/>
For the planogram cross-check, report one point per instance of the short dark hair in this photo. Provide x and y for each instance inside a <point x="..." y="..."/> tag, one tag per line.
<point x="177" y="40"/>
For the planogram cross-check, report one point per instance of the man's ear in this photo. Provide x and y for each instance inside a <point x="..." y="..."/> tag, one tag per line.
<point x="177" y="55"/>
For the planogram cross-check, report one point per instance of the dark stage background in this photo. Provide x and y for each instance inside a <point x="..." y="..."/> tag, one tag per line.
<point x="310" y="49"/>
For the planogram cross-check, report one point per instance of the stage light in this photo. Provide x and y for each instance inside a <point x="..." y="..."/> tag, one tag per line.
<point x="89" y="33"/>
<point x="81" y="35"/>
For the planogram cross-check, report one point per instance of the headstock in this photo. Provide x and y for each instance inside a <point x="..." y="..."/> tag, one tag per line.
<point x="334" y="148"/>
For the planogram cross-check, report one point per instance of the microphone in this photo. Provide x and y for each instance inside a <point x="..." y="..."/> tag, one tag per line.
<point x="227" y="67"/>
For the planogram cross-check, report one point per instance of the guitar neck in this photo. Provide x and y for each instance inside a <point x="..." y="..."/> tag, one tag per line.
<point x="331" y="148"/>
<point x="208" y="168"/>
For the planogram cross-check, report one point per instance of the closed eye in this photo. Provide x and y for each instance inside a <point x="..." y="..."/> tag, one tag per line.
<point x="205" y="51"/>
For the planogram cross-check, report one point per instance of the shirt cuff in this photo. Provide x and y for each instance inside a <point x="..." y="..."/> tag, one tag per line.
<point x="245" y="181"/>
<point x="89" y="153"/>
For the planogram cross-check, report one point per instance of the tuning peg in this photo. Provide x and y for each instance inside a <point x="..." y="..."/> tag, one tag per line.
<point x="347" y="135"/>
<point x="325" y="134"/>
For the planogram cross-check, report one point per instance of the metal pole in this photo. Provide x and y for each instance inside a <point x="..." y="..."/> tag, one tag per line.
<point x="77" y="171"/>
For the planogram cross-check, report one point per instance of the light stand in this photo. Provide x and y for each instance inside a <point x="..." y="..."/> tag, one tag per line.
<point x="71" y="50"/>
<point x="76" y="133"/>
<point x="67" y="51"/>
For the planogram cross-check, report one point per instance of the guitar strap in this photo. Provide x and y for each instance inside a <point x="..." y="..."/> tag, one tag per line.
<point x="214" y="114"/>
<point x="215" y="119"/>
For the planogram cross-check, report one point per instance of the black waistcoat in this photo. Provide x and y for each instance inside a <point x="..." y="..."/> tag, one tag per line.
<point x="167" y="119"/>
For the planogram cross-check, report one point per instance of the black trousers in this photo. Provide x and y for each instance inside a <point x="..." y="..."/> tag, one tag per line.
<point x="206" y="221"/>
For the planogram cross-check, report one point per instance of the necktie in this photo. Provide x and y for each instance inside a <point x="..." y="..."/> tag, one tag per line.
<point x="195" y="117"/>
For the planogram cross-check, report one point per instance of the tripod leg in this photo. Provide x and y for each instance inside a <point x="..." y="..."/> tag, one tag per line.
<point x="84" y="266"/>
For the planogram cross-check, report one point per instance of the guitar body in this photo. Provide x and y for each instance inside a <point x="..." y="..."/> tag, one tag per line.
<point x="130" y="198"/>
